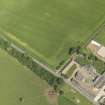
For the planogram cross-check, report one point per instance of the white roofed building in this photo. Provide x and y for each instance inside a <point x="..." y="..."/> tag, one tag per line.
<point x="101" y="52"/>
<point x="97" y="49"/>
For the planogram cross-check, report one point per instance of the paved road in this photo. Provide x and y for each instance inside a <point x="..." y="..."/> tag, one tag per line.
<point x="81" y="92"/>
<point x="56" y="74"/>
<point x="66" y="81"/>
<point x="46" y="68"/>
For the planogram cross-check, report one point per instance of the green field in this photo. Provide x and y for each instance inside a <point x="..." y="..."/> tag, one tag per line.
<point x="101" y="37"/>
<point x="47" y="29"/>
<point x="72" y="97"/>
<point x="16" y="81"/>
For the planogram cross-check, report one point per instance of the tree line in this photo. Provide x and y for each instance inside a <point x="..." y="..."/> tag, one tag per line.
<point x="29" y="62"/>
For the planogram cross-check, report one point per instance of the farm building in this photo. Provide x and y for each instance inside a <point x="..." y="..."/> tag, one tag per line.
<point x="100" y="98"/>
<point x="97" y="49"/>
<point x="101" y="52"/>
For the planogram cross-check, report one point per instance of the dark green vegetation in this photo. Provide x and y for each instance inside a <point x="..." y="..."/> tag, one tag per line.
<point x="25" y="88"/>
<point x="47" y="29"/>
<point x="29" y="62"/>
<point x="18" y="85"/>
<point x="87" y="58"/>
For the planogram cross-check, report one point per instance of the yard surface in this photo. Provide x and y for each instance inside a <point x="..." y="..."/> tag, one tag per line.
<point x="19" y="86"/>
<point x="47" y="29"/>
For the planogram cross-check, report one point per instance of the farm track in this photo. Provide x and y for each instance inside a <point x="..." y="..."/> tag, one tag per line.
<point x="37" y="61"/>
<point x="95" y="33"/>
<point x="56" y="74"/>
<point x="65" y="80"/>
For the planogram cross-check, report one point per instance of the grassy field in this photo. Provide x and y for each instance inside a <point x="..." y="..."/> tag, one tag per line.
<point x="48" y="29"/>
<point x="17" y="82"/>
<point x="72" y="97"/>
<point x="64" y="101"/>
<point x="101" y="37"/>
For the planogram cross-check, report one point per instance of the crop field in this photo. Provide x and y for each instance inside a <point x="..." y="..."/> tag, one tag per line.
<point x="101" y="37"/>
<point x="19" y="86"/>
<point x="48" y="28"/>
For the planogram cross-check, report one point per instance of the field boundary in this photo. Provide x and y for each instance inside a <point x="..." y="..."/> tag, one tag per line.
<point x="95" y="32"/>
<point x="26" y="46"/>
